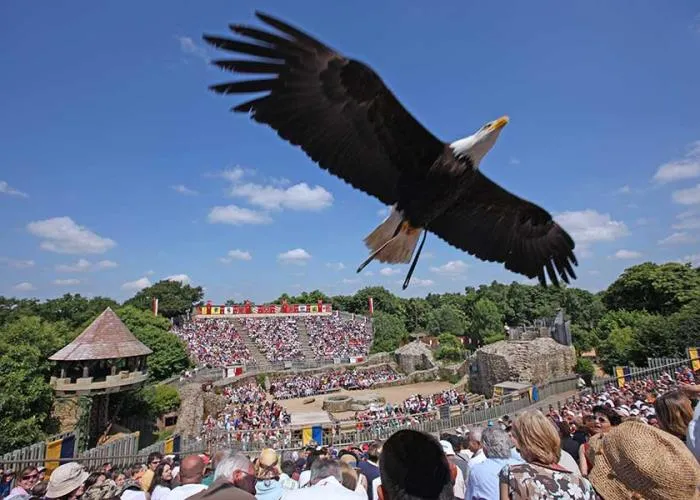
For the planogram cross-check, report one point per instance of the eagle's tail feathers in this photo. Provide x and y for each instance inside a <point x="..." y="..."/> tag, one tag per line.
<point x="384" y="231"/>
<point x="394" y="240"/>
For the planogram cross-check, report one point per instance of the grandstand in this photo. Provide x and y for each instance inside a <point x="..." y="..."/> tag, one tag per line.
<point x="266" y="337"/>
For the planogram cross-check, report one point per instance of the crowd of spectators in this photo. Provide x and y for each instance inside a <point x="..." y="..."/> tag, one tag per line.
<point x="335" y="337"/>
<point x="247" y="409"/>
<point x="214" y="342"/>
<point x="277" y="338"/>
<point x="297" y="386"/>
<point x="639" y="441"/>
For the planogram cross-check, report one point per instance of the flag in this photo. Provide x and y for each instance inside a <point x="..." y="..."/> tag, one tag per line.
<point x="306" y="435"/>
<point x="693" y="355"/>
<point x="59" y="451"/>
<point x="371" y="306"/>
<point x="154" y="306"/>
<point x="620" y="374"/>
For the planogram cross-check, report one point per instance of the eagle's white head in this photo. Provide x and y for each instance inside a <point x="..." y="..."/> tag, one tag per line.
<point x="478" y="144"/>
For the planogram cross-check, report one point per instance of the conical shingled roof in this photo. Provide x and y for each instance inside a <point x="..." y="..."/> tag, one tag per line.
<point x="106" y="338"/>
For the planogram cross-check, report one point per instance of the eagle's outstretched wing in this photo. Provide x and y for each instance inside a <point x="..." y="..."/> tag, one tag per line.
<point x="495" y="225"/>
<point x="336" y="109"/>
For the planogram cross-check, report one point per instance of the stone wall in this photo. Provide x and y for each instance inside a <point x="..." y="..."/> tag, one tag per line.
<point x="67" y="411"/>
<point x="535" y="361"/>
<point x="415" y="356"/>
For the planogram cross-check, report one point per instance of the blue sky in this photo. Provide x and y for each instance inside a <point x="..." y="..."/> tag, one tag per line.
<point x="115" y="156"/>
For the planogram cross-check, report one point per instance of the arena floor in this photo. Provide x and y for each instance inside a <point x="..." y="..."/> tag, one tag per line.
<point x="393" y="395"/>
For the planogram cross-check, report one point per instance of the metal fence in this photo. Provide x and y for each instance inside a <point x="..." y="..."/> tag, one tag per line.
<point x="35" y="454"/>
<point x="656" y="369"/>
<point x="122" y="447"/>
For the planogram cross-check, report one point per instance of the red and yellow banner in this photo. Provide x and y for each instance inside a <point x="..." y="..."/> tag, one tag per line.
<point x="248" y="308"/>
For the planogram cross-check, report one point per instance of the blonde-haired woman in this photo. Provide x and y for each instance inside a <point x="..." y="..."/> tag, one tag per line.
<point x="674" y="411"/>
<point x="541" y="476"/>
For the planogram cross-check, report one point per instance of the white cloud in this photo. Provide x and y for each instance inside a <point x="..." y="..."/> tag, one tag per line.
<point x="235" y="215"/>
<point x="106" y="264"/>
<point x="236" y="255"/>
<point x="298" y="197"/>
<point x="150" y="272"/>
<point x="234" y="174"/>
<point x="514" y="161"/>
<point x="84" y="265"/>
<point x="693" y="259"/>
<point x="182" y="278"/>
<point x="81" y="266"/>
<point x="687" y="168"/>
<point x="336" y="266"/>
<point x="135" y="286"/>
<point x="297" y="256"/>
<point x="690" y="196"/>
<point x="67" y="282"/>
<point x="190" y="47"/>
<point x="17" y="264"/>
<point x="6" y="189"/>
<point x="389" y="271"/>
<point x="590" y="226"/>
<point x="62" y="235"/>
<point x="627" y="254"/>
<point x="182" y="189"/>
<point x="452" y="268"/>
<point x="422" y="282"/>
<point x="24" y="287"/>
<point x="624" y="190"/>
<point x="677" y="239"/>
<point x="383" y="212"/>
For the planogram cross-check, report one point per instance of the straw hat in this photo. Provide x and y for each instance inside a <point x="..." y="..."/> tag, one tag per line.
<point x="66" y="478"/>
<point x="637" y="458"/>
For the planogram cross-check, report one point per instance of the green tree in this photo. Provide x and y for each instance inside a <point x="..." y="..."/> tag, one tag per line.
<point x="417" y="312"/>
<point x="174" y="298"/>
<point x="583" y="339"/>
<point x="74" y="309"/>
<point x="661" y="289"/>
<point x="383" y="301"/>
<point x="450" y="347"/>
<point x="446" y="319"/>
<point x="585" y="368"/>
<point x="162" y="399"/>
<point x="389" y="332"/>
<point x="169" y="354"/>
<point x="486" y="319"/>
<point x="620" y="319"/>
<point x="616" y="350"/>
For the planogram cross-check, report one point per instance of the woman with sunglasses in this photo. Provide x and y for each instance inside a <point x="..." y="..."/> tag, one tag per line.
<point x="26" y="481"/>
<point x="603" y="420"/>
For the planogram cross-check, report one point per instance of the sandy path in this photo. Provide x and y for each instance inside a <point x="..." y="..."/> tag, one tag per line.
<point x="392" y="394"/>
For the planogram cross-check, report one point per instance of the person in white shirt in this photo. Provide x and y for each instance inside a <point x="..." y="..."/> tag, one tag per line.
<point x="475" y="447"/>
<point x="191" y="473"/>
<point x="325" y="484"/>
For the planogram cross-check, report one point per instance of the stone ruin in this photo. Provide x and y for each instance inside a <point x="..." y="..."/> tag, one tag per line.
<point x="557" y="328"/>
<point x="344" y="402"/>
<point x="414" y="356"/>
<point x="535" y="361"/>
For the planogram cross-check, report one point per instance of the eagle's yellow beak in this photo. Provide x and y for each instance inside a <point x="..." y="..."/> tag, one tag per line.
<point x="500" y="123"/>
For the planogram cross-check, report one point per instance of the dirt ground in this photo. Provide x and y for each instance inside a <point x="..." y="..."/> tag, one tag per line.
<point x="392" y="394"/>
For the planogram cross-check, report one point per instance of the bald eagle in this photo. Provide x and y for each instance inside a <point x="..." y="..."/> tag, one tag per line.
<point x="343" y="116"/>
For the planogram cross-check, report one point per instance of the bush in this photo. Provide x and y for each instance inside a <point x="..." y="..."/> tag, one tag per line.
<point x="162" y="399"/>
<point x="585" y="368"/>
<point x="493" y="338"/>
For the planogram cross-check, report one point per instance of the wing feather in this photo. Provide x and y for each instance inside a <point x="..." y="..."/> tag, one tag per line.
<point x="338" y="110"/>
<point x="495" y="225"/>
